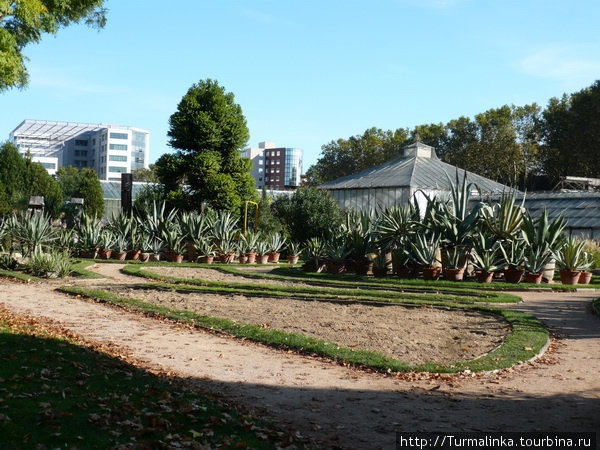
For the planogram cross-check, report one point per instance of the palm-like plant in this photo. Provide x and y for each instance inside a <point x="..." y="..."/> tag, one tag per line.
<point x="336" y="249"/>
<point x="174" y="241"/>
<point x="33" y="232"/>
<point x="276" y="243"/>
<point x="314" y="252"/>
<point x="485" y="255"/>
<point x="294" y="248"/>
<point x="250" y="240"/>
<point x="513" y="253"/>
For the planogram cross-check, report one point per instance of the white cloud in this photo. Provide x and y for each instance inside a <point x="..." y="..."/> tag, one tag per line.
<point x="568" y="64"/>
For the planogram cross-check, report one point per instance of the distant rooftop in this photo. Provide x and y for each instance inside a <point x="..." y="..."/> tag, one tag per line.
<point x="417" y="167"/>
<point x="59" y="130"/>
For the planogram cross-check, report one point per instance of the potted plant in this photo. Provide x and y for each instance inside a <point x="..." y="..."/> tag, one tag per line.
<point x="336" y="251"/>
<point x="250" y="239"/>
<point x="119" y="247"/>
<point x="227" y="249"/>
<point x="175" y="244"/>
<point x="277" y="242"/>
<point x="401" y="262"/>
<point x="425" y="253"/>
<point x="314" y="255"/>
<point x="541" y="237"/>
<point x="569" y="260"/>
<point x="242" y="248"/>
<point x="145" y="245"/>
<point x="453" y="263"/>
<point x="107" y="240"/>
<point x="381" y="263"/>
<point x="262" y="250"/>
<point x="513" y="255"/>
<point x="293" y="250"/>
<point x="534" y="262"/>
<point x="155" y="248"/>
<point x="485" y="257"/>
<point x="585" y="277"/>
<point x="134" y="250"/>
<point x="206" y="251"/>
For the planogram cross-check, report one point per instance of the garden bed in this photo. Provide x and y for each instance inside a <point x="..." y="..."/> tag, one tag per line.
<point x="412" y="335"/>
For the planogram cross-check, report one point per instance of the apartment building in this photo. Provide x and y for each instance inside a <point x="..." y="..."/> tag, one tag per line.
<point x="108" y="149"/>
<point x="275" y="168"/>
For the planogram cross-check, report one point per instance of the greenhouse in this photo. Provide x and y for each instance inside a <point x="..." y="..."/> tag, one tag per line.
<point x="418" y="172"/>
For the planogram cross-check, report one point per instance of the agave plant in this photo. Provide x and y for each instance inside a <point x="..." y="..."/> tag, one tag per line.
<point x="485" y="253"/>
<point x="174" y="241"/>
<point x="89" y="231"/>
<point x="294" y="248"/>
<point x="225" y="226"/>
<point x="504" y="219"/>
<point x="276" y="243"/>
<point x="50" y="265"/>
<point x="262" y="248"/>
<point x="314" y="253"/>
<point x="542" y="235"/>
<point x="156" y="219"/>
<point x="425" y="250"/>
<point x="570" y="256"/>
<point x="336" y="249"/>
<point x="33" y="232"/>
<point x="395" y="225"/>
<point x="107" y="239"/>
<point x="250" y="241"/>
<point x="65" y="240"/>
<point x="535" y="259"/>
<point x="513" y="253"/>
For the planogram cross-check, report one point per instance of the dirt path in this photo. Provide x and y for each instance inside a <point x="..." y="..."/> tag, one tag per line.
<point x="347" y="407"/>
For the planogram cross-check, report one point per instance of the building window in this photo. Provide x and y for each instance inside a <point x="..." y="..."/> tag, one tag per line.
<point x="117" y="169"/>
<point x="260" y="169"/>
<point x="260" y="162"/>
<point x="266" y="178"/>
<point x="117" y="158"/>
<point x="77" y="152"/>
<point x="119" y="136"/>
<point x="50" y="166"/>
<point x="278" y="152"/>
<point x="118" y="146"/>
<point x="81" y="143"/>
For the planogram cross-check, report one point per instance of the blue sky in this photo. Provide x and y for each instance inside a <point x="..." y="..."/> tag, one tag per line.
<point x="307" y="72"/>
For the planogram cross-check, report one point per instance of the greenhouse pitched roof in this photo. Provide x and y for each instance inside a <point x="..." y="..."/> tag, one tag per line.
<point x="419" y="167"/>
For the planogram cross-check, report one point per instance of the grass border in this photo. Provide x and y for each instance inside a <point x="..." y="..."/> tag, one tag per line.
<point x="21" y="276"/>
<point x="320" y="292"/>
<point x="527" y="338"/>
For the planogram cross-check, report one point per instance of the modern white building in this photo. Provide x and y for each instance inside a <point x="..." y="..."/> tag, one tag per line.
<point x="108" y="149"/>
<point x="276" y="168"/>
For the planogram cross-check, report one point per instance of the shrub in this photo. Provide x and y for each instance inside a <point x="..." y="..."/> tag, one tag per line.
<point x="8" y="262"/>
<point x="592" y="248"/>
<point x="50" y="265"/>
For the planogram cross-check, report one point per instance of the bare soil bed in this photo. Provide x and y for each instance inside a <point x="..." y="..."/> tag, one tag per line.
<point x="216" y="275"/>
<point x="414" y="335"/>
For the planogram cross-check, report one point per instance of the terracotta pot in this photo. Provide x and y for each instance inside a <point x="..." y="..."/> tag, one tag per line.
<point x="133" y="255"/>
<point x="168" y="255"/>
<point x="119" y="255"/>
<point x="262" y="259"/>
<point x="569" y="276"/>
<point x="144" y="256"/>
<point x="243" y="259"/>
<point x="311" y="266"/>
<point x="178" y="258"/>
<point x="513" y="275"/>
<point x="104" y="254"/>
<point x="274" y="257"/>
<point x="293" y="259"/>
<point x="380" y="272"/>
<point x="251" y="257"/>
<point x="225" y="259"/>
<point x="191" y="256"/>
<point x="535" y="278"/>
<point x="484" y="277"/>
<point x="335" y="268"/>
<point x="585" y="278"/>
<point x="454" y="274"/>
<point x="154" y="257"/>
<point x="206" y="259"/>
<point x="432" y="273"/>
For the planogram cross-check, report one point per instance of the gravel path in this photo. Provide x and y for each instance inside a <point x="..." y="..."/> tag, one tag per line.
<point x="341" y="406"/>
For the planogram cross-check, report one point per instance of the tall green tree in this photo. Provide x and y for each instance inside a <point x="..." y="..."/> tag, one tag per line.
<point x="84" y="183"/>
<point x="12" y="178"/>
<point x="310" y="212"/>
<point x="23" y="22"/>
<point x="208" y="130"/>
<point x="40" y="183"/>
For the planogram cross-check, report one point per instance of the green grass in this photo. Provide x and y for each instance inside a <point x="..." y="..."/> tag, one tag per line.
<point x="351" y="294"/>
<point x="56" y="394"/>
<point x="17" y="275"/>
<point x="528" y="336"/>
<point x="80" y="271"/>
<point x="494" y="286"/>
